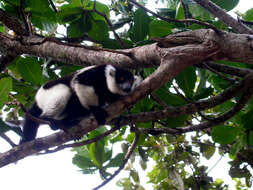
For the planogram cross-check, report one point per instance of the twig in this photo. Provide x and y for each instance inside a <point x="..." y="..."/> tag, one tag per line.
<point x="216" y="163"/>
<point x="89" y="141"/>
<point x="53" y="6"/>
<point x="127" y="156"/>
<point x="23" y="16"/>
<point x="240" y="72"/>
<point x="7" y="139"/>
<point x="175" y="20"/>
<point x="219" y="74"/>
<point x="110" y="25"/>
<point x="245" y="21"/>
<point x="224" y="17"/>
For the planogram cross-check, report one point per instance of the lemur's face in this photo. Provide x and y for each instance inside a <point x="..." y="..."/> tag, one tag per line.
<point x="124" y="80"/>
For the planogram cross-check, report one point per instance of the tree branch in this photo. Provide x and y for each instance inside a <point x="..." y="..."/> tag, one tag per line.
<point x="127" y="156"/>
<point x="224" y="17"/>
<point x="13" y="23"/>
<point x="240" y="72"/>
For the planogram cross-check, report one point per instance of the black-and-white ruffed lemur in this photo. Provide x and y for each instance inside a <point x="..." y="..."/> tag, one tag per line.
<point x="65" y="101"/>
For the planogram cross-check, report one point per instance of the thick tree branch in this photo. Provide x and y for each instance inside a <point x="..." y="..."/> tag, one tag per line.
<point x="224" y="17"/>
<point x="233" y="47"/>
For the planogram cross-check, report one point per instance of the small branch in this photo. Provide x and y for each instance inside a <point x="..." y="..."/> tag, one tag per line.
<point x="245" y="21"/>
<point x="219" y="74"/>
<point x="240" y="72"/>
<point x="175" y="20"/>
<point x="7" y="139"/>
<point x="127" y="156"/>
<point x="23" y="16"/>
<point x="223" y="16"/>
<point x="83" y="143"/>
<point x="53" y="6"/>
<point x="110" y="25"/>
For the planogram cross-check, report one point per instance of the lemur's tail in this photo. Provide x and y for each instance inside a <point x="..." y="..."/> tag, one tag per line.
<point x="30" y="127"/>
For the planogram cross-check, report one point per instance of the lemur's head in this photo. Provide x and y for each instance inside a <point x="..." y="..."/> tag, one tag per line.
<point x="120" y="81"/>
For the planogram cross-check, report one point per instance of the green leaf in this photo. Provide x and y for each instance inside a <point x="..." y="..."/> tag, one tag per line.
<point x="186" y="81"/>
<point x="135" y="176"/>
<point x="99" y="30"/>
<point x="248" y="15"/>
<point x="180" y="12"/>
<point x="116" y="161"/>
<point x="169" y="98"/>
<point x="97" y="153"/>
<point x="198" y="12"/>
<point x="30" y="69"/>
<point x="69" y="13"/>
<point x="160" y="28"/>
<point x="202" y="90"/>
<point x="247" y="120"/>
<point x="226" y="4"/>
<point x="44" y="20"/>
<point x="207" y="149"/>
<point x="225" y="134"/>
<point x="141" y="26"/>
<point x="176" y="121"/>
<point x="38" y="5"/>
<point x="79" y="27"/>
<point x="102" y="8"/>
<point x="5" y="88"/>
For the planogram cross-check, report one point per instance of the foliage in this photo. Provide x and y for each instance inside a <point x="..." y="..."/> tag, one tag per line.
<point x="172" y="155"/>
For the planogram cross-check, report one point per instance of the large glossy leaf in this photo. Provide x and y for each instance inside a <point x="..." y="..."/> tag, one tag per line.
<point x="69" y="13"/>
<point x="226" y="4"/>
<point x="38" y="5"/>
<point x="186" y="81"/>
<point x="116" y="161"/>
<point x="99" y="30"/>
<point x="248" y="15"/>
<point x="30" y="70"/>
<point x="141" y="26"/>
<point x="79" y="27"/>
<point x="160" y="28"/>
<point x="225" y="134"/>
<point x="97" y="153"/>
<point x="5" y="88"/>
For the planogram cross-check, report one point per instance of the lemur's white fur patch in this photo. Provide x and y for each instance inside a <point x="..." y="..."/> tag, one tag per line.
<point x="86" y="94"/>
<point x="111" y="82"/>
<point x="53" y="101"/>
